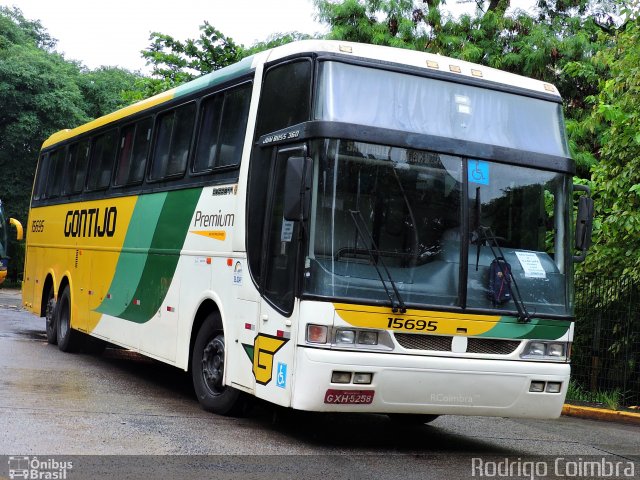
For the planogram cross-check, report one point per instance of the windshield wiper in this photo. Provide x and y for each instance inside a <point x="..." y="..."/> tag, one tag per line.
<point x="486" y="234"/>
<point x="374" y="255"/>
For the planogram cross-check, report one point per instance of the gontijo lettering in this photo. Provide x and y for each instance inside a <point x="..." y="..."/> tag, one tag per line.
<point x="91" y="222"/>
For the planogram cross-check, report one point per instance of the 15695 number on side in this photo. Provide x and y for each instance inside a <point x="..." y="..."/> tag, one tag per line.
<point x="412" y="324"/>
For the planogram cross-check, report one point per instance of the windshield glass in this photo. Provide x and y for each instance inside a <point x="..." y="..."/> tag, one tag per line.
<point x="518" y="214"/>
<point x="399" y="101"/>
<point x="410" y="204"/>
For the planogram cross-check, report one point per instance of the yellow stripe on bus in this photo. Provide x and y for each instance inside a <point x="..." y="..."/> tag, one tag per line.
<point x="416" y="321"/>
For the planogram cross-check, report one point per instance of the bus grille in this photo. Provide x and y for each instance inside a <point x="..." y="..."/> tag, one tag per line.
<point x="442" y="343"/>
<point x="439" y="343"/>
<point x="491" y="345"/>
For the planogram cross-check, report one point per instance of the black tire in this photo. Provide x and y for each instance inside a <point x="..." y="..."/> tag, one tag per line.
<point x="69" y="340"/>
<point x="50" y="318"/>
<point x="411" y="419"/>
<point x="207" y="370"/>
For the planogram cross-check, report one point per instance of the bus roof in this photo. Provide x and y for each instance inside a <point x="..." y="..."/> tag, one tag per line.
<point x="391" y="55"/>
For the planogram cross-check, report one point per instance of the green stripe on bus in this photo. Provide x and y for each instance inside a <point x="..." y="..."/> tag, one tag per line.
<point x="215" y="78"/>
<point x="133" y="256"/>
<point x="540" y="329"/>
<point x="145" y="290"/>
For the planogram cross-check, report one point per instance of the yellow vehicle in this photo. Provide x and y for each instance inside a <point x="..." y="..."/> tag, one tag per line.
<point x="328" y="226"/>
<point x="4" y="240"/>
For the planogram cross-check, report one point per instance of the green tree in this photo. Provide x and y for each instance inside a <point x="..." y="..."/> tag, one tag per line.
<point x="174" y="62"/>
<point x="616" y="177"/>
<point x="38" y="95"/>
<point x="106" y="89"/>
<point x="556" y="44"/>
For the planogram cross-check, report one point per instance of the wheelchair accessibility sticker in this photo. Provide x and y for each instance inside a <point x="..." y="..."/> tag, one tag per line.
<point x="281" y="379"/>
<point x="478" y="172"/>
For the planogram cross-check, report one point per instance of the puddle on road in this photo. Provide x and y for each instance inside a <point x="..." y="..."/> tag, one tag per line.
<point x="28" y="334"/>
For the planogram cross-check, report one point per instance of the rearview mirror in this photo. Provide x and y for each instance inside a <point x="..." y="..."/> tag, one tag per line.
<point x="296" y="188"/>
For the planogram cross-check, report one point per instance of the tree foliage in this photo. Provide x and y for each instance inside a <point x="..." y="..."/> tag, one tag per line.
<point x="174" y="62"/>
<point x="616" y="177"/>
<point x="41" y="93"/>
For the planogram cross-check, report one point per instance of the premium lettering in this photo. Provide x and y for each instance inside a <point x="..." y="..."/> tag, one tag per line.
<point x="216" y="220"/>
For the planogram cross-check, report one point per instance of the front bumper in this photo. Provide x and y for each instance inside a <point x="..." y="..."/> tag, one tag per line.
<point x="430" y="385"/>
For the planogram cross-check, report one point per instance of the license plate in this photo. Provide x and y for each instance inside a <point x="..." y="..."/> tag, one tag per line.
<point x="349" y="397"/>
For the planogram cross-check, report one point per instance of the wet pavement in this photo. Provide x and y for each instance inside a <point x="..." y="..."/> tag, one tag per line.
<point x="120" y="403"/>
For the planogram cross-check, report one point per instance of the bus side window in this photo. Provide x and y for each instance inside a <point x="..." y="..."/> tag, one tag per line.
<point x="175" y="129"/>
<point x="233" y="125"/>
<point x="223" y="125"/>
<point x="132" y="153"/>
<point x="56" y="168"/>
<point x="77" y="161"/>
<point x="43" y="172"/>
<point x="141" y="144"/>
<point x="123" y="159"/>
<point x="102" y="155"/>
<point x="207" y="148"/>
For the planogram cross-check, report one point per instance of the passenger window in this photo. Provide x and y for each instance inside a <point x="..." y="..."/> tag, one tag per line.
<point x="234" y="125"/>
<point x="132" y="153"/>
<point x="77" y="161"/>
<point x="43" y="173"/>
<point x="222" y="129"/>
<point x="206" y="151"/>
<point x="81" y="163"/>
<point x="175" y="129"/>
<point x="102" y="155"/>
<point x="54" y="177"/>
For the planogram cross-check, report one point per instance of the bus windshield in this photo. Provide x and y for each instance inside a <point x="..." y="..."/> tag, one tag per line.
<point x="410" y="103"/>
<point x="410" y="206"/>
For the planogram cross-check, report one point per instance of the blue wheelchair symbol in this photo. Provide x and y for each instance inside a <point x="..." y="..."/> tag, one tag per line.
<point x="478" y="172"/>
<point x="281" y="377"/>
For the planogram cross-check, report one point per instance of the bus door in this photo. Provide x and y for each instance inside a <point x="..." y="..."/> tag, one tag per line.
<point x="277" y="325"/>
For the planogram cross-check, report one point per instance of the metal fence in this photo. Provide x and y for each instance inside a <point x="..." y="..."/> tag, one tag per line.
<point x="606" y="348"/>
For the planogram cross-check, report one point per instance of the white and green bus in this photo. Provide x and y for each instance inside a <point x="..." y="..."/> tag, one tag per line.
<point x="327" y="226"/>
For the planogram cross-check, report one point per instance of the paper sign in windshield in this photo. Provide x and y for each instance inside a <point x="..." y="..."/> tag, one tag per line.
<point x="531" y="265"/>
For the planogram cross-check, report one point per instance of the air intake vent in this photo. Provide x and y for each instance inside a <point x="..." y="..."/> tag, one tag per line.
<point x="412" y="341"/>
<point x="492" y="346"/>
<point x="442" y="343"/>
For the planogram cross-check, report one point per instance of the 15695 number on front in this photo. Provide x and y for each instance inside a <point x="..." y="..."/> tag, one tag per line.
<point x="412" y="324"/>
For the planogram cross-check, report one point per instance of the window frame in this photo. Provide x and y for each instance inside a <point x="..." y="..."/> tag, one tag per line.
<point x="198" y="128"/>
<point x="154" y="142"/>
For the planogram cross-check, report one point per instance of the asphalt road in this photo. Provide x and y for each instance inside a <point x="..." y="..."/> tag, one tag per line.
<point x="122" y="413"/>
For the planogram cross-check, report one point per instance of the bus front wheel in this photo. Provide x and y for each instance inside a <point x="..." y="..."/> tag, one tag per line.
<point x="68" y="339"/>
<point x="207" y="370"/>
<point x="50" y="319"/>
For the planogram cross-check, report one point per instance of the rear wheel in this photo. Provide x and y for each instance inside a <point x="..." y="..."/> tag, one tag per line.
<point x="69" y="340"/>
<point x="207" y="370"/>
<point x="411" y="419"/>
<point x="50" y="320"/>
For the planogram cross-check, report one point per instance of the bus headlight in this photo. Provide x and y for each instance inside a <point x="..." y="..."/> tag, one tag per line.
<point x="368" y="337"/>
<point x="542" y="350"/>
<point x="346" y="336"/>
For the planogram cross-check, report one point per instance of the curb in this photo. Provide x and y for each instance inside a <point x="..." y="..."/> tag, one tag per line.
<point x="592" y="413"/>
